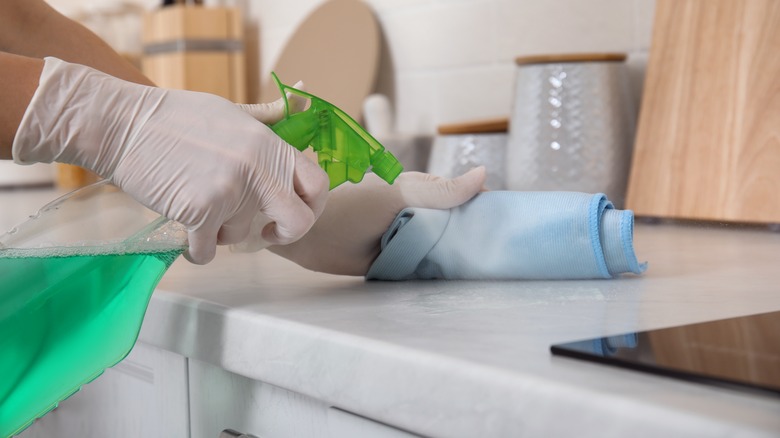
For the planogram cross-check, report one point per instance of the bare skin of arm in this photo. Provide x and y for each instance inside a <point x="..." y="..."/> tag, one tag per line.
<point x="32" y="30"/>
<point x="19" y="79"/>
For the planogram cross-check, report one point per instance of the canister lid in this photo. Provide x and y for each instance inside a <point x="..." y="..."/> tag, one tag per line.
<point x="570" y="57"/>
<point x="476" y="127"/>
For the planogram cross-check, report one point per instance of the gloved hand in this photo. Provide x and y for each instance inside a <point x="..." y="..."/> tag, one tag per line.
<point x="192" y="157"/>
<point x="270" y="113"/>
<point x="346" y="238"/>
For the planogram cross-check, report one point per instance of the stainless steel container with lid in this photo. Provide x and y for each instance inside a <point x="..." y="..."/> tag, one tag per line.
<point x="460" y="147"/>
<point x="572" y="125"/>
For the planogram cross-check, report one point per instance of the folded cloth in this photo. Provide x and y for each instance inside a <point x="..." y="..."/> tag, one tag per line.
<point x="607" y="346"/>
<point x="508" y="236"/>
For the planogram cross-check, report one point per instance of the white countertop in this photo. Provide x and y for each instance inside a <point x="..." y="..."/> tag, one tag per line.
<point x="472" y="358"/>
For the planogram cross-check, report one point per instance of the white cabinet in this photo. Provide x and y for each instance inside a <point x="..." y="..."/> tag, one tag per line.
<point x="343" y="424"/>
<point x="222" y="400"/>
<point x="156" y="393"/>
<point x="145" y="395"/>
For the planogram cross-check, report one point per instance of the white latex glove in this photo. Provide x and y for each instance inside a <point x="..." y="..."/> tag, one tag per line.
<point x="193" y="157"/>
<point x="270" y="113"/>
<point x="346" y="238"/>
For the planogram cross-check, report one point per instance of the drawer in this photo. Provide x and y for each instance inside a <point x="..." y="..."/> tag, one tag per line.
<point x="145" y="395"/>
<point x="221" y="401"/>
<point x="343" y="424"/>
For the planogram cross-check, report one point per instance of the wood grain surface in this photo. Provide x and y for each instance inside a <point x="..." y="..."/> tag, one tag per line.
<point x="708" y="140"/>
<point x="570" y="57"/>
<point x="219" y="72"/>
<point x="335" y="52"/>
<point x="485" y="126"/>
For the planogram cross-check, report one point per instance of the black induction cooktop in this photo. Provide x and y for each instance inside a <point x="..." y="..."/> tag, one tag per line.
<point x="742" y="352"/>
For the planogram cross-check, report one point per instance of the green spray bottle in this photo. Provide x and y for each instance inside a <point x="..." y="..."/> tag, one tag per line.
<point x="344" y="149"/>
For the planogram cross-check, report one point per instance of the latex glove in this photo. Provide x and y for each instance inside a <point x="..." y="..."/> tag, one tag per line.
<point x="193" y="157"/>
<point x="346" y="238"/>
<point x="270" y="113"/>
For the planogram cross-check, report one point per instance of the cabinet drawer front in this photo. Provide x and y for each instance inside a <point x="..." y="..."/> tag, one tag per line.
<point x="145" y="395"/>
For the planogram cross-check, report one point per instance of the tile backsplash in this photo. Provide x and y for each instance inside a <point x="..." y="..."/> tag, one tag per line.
<point x="453" y="60"/>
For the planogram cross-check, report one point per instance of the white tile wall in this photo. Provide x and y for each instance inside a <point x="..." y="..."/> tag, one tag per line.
<point x="474" y="92"/>
<point x="416" y="90"/>
<point x="391" y="6"/>
<point x="452" y="60"/>
<point x="644" y="11"/>
<point x="441" y="35"/>
<point x="561" y="26"/>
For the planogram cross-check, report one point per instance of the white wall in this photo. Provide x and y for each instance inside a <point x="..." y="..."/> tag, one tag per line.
<point x="453" y="60"/>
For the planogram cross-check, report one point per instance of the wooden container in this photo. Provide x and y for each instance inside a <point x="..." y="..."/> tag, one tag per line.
<point x="196" y="48"/>
<point x="487" y="126"/>
<point x="708" y="140"/>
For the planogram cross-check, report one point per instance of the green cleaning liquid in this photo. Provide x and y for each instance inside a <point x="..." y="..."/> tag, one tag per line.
<point x="65" y="318"/>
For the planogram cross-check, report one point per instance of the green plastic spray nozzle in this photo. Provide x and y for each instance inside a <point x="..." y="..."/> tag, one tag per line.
<point x="344" y="149"/>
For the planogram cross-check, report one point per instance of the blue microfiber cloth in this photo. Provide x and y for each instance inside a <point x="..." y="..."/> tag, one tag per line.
<point x="510" y="236"/>
<point x="608" y="346"/>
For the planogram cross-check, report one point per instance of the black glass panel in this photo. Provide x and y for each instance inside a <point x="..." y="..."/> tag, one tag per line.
<point x="742" y="352"/>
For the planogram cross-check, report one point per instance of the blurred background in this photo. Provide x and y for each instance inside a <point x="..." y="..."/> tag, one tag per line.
<point x="441" y="61"/>
<point x="546" y="95"/>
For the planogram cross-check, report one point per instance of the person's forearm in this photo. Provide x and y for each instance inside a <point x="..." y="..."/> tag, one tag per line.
<point x="32" y="28"/>
<point x="18" y="81"/>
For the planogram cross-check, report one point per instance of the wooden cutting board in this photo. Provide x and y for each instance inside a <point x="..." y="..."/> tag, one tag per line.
<point x="335" y="52"/>
<point x="708" y="140"/>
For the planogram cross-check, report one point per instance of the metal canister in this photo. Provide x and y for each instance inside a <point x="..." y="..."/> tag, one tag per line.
<point x="572" y="125"/>
<point x="460" y="147"/>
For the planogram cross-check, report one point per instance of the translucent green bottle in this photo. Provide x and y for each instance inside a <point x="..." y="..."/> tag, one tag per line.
<point x="344" y="149"/>
<point x="75" y="281"/>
